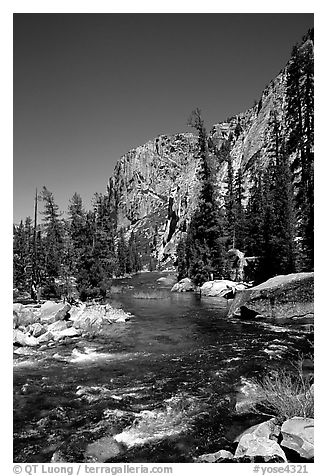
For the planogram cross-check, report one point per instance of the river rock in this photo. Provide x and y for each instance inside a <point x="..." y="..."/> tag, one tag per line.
<point x="94" y="318"/>
<point x="221" y="456"/>
<point x="220" y="288"/>
<point x="23" y="339"/>
<point x="298" y="435"/>
<point x="76" y="311"/>
<point x="37" y="329"/>
<point x="184" y="285"/>
<point x="91" y="320"/>
<point x="57" y="326"/>
<point x="114" y="315"/>
<point x="285" y="296"/>
<point x="68" y="332"/>
<point x="23" y="316"/>
<point x="269" y="429"/>
<point x="45" y="338"/>
<point x="252" y="446"/>
<point x="103" y="449"/>
<point x="51" y="312"/>
<point x="169" y="280"/>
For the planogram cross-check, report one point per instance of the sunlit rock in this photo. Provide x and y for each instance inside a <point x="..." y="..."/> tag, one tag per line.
<point x="252" y="446"/>
<point x="221" y="456"/>
<point x="220" y="288"/>
<point x="184" y="285"/>
<point x="285" y="296"/>
<point x="298" y="435"/>
<point x="51" y="311"/>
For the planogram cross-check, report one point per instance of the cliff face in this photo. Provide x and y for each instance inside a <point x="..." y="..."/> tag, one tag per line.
<point x="154" y="190"/>
<point x="155" y="186"/>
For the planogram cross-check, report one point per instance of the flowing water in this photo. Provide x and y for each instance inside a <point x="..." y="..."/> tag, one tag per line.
<point x="159" y="388"/>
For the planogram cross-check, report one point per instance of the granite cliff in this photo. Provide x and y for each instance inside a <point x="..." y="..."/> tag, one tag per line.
<point x="155" y="186"/>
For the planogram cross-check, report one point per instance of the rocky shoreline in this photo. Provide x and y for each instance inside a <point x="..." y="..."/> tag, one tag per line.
<point x="273" y="441"/>
<point x="51" y="323"/>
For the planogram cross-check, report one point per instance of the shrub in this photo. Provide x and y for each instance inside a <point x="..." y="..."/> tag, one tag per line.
<point x="287" y="393"/>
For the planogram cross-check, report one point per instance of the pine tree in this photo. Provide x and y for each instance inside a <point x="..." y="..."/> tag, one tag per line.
<point x="230" y="199"/>
<point x="97" y="262"/>
<point x="133" y="264"/>
<point x="254" y="219"/>
<point x="240" y="219"/>
<point x="122" y="254"/>
<point x="19" y="257"/>
<point x="299" y="121"/>
<point x="53" y="235"/>
<point x="181" y="259"/>
<point x="76" y="231"/>
<point x="205" y="241"/>
<point x="270" y="214"/>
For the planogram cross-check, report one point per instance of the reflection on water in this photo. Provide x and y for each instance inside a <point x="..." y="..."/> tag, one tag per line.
<point x="157" y="384"/>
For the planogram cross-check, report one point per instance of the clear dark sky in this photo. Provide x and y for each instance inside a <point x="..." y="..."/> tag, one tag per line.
<point x="89" y="87"/>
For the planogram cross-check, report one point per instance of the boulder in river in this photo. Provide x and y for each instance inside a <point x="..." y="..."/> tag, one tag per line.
<point x="68" y="332"/>
<point x="221" y="456"/>
<point x="220" y="288"/>
<point x="94" y="318"/>
<point x="252" y="447"/>
<point x="23" y="316"/>
<point x="51" y="312"/>
<point x="57" y="326"/>
<point x="169" y="280"/>
<point x="76" y="310"/>
<point x="184" y="285"/>
<point x="45" y="338"/>
<point x="285" y="296"/>
<point x="269" y="429"/>
<point x="24" y="339"/>
<point x="297" y="435"/>
<point x="37" y="329"/>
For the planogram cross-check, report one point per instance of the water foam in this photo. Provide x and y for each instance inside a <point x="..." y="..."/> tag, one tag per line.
<point x="91" y="355"/>
<point x="154" y="425"/>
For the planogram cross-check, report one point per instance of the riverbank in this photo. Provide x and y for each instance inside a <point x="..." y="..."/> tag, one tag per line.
<point x="45" y="325"/>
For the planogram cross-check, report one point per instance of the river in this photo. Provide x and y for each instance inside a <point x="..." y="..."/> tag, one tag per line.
<point x="160" y="388"/>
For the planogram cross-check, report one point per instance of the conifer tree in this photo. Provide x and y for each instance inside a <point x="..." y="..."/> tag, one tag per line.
<point x="240" y="219"/>
<point x="205" y="241"/>
<point x="299" y="121"/>
<point x="181" y="259"/>
<point x="254" y="219"/>
<point x="133" y="258"/>
<point x="20" y="257"/>
<point x="122" y="254"/>
<point x="230" y="199"/>
<point x="53" y="238"/>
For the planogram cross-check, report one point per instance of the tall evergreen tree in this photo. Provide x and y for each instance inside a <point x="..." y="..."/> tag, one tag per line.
<point x="122" y="254"/>
<point x="240" y="219"/>
<point x="205" y="242"/>
<point x="134" y="263"/>
<point x="53" y="235"/>
<point x="270" y="214"/>
<point x="22" y="259"/>
<point x="299" y="121"/>
<point x="254" y="219"/>
<point x="230" y="199"/>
